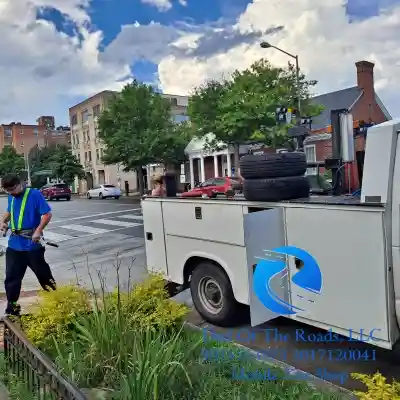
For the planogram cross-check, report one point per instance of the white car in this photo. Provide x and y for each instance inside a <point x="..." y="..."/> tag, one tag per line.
<point x="104" y="191"/>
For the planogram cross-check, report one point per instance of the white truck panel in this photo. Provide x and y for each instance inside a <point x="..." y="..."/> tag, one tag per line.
<point x="380" y="153"/>
<point x="350" y="248"/>
<point x="154" y="237"/>
<point x="232" y="258"/>
<point x="220" y="224"/>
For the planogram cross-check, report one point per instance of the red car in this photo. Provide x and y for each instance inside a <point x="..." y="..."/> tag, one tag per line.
<point x="212" y="187"/>
<point x="56" y="191"/>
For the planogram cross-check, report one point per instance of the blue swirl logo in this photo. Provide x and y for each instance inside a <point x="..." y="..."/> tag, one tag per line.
<point x="308" y="278"/>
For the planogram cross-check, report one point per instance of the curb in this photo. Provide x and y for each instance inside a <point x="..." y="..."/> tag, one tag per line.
<point x="296" y="374"/>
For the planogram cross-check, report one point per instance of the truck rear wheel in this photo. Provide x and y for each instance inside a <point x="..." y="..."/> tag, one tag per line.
<point x="213" y="296"/>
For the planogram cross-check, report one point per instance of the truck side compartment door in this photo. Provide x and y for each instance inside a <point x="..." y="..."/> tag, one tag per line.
<point x="154" y="235"/>
<point x="264" y="231"/>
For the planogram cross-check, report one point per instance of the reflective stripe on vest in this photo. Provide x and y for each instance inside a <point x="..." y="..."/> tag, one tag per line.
<point x="21" y="211"/>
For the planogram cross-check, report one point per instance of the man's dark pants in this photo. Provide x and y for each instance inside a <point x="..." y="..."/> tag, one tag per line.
<point x="16" y="264"/>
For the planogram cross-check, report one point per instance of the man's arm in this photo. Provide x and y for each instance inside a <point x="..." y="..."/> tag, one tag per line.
<point x="45" y="211"/>
<point x="5" y="219"/>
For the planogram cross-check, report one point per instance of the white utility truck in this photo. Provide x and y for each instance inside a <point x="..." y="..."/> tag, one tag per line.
<point x="212" y="246"/>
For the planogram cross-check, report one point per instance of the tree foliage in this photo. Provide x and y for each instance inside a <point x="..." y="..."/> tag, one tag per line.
<point x="60" y="161"/>
<point x="11" y="161"/>
<point x="242" y="109"/>
<point x="137" y="130"/>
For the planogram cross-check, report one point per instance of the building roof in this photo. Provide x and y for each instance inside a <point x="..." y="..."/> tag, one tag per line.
<point x="344" y="98"/>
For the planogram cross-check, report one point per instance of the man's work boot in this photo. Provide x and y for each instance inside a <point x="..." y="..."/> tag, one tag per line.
<point x="13" y="309"/>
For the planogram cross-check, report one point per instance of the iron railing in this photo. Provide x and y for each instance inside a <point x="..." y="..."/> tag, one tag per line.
<point x="31" y="367"/>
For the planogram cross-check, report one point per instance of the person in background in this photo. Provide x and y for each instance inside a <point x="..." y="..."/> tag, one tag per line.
<point x="158" y="189"/>
<point x="27" y="216"/>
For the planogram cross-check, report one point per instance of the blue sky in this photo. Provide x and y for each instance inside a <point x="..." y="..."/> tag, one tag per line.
<point x="62" y="51"/>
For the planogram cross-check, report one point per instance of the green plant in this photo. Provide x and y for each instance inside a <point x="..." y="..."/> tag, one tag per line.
<point x="377" y="387"/>
<point x="148" y="305"/>
<point x="54" y="313"/>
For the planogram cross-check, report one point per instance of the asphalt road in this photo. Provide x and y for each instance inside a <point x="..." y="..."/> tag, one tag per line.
<point x="96" y="239"/>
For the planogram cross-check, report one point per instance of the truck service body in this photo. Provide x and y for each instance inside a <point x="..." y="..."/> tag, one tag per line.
<point x="356" y="243"/>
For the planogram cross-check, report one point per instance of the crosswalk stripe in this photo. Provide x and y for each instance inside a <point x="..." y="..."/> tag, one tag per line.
<point x="84" y="228"/>
<point x="56" y="237"/>
<point x="130" y="216"/>
<point x="115" y="223"/>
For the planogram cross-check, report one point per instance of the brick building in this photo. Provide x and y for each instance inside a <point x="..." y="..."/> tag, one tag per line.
<point x="25" y="137"/>
<point x="361" y="100"/>
<point x="363" y="103"/>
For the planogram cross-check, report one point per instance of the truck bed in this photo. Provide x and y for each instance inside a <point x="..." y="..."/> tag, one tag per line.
<point x="315" y="199"/>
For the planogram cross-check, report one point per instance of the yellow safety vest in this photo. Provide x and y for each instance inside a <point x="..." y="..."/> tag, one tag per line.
<point x="21" y="211"/>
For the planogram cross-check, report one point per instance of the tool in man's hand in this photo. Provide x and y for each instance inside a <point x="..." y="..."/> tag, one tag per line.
<point x="41" y="242"/>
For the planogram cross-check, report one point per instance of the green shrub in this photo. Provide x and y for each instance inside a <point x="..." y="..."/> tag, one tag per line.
<point x="54" y="313"/>
<point x="148" y="305"/>
<point x="377" y="387"/>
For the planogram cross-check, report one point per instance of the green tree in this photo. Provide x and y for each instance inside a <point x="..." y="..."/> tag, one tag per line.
<point x="11" y="161"/>
<point x="137" y="130"/>
<point x="242" y="109"/>
<point x="59" y="161"/>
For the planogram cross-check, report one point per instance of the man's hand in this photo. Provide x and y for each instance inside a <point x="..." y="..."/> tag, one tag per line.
<point x="37" y="235"/>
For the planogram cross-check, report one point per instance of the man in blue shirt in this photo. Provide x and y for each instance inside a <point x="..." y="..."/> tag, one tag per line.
<point x="27" y="215"/>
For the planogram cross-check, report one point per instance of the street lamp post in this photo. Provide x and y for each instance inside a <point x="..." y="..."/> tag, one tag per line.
<point x="27" y="166"/>
<point x="266" y="45"/>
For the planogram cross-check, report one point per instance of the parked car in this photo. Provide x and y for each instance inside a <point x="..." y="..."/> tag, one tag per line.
<point x="213" y="187"/>
<point x="56" y="191"/>
<point x="104" y="191"/>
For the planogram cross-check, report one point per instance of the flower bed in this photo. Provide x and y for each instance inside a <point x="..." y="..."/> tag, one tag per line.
<point x="134" y="346"/>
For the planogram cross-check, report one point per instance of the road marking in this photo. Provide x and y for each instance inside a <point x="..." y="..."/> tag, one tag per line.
<point x="85" y="228"/>
<point x="116" y="223"/>
<point x="56" y="237"/>
<point x="93" y="215"/>
<point x="130" y="216"/>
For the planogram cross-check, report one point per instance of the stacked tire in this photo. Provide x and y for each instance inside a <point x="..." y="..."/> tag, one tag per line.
<point x="274" y="177"/>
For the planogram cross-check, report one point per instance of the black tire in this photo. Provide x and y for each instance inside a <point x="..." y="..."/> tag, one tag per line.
<point x="116" y="197"/>
<point x="101" y="197"/>
<point x="226" y="313"/>
<point x="273" y="165"/>
<point x="277" y="189"/>
<point x="88" y="196"/>
<point x="68" y="198"/>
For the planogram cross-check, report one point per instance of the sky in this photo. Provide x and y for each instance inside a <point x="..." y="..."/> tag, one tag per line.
<point x="55" y="53"/>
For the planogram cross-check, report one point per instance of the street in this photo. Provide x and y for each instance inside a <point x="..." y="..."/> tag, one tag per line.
<point x="96" y="238"/>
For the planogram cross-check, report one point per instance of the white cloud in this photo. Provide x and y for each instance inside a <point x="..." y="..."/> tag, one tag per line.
<point x="40" y="68"/>
<point x="318" y="31"/>
<point x="162" y="5"/>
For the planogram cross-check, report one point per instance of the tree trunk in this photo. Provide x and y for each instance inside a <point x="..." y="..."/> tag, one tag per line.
<point x="139" y="172"/>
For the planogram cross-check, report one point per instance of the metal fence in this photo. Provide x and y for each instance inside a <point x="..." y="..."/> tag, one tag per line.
<point x="35" y="370"/>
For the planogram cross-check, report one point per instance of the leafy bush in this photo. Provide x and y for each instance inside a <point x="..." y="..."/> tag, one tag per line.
<point x="377" y="387"/>
<point x="148" y="305"/>
<point x="54" y="314"/>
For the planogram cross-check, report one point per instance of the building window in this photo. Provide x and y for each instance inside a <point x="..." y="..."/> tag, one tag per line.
<point x="97" y="154"/>
<point x="7" y="132"/>
<point x="22" y="131"/>
<point x="85" y="116"/>
<point x="311" y="156"/>
<point x="174" y="101"/>
<point x="36" y="131"/>
<point x="89" y="156"/>
<point x="74" y="120"/>
<point x="96" y="110"/>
